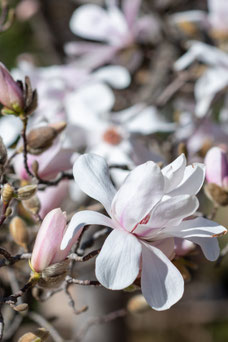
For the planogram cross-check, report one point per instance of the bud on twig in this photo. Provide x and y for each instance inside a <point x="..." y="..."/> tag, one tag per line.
<point x="21" y="307"/>
<point x="7" y="193"/>
<point x="32" y="205"/>
<point x="11" y="95"/>
<point x="53" y="275"/>
<point x="137" y="304"/>
<point x="19" y="232"/>
<point x="40" y="335"/>
<point x="216" y="194"/>
<point x="41" y="138"/>
<point x="26" y="192"/>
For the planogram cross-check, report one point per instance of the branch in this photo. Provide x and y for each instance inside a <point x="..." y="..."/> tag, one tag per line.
<point x="10" y="260"/>
<point x="71" y="280"/>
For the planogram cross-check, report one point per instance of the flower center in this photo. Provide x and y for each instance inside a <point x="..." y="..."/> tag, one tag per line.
<point x="111" y="136"/>
<point x="145" y="220"/>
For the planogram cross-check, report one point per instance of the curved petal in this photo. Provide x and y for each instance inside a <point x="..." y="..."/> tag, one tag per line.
<point x="174" y="173"/>
<point x="131" y="10"/>
<point x="141" y="190"/>
<point x="192" y="181"/>
<point x="118" y="263"/>
<point x="209" y="246"/>
<point x="198" y="227"/>
<point x="172" y="211"/>
<point x="81" y="219"/>
<point x="216" y="165"/>
<point x="162" y="284"/>
<point x="91" y="173"/>
<point x="88" y="17"/>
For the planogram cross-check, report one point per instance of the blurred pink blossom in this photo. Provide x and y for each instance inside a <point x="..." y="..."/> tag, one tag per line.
<point x="217" y="166"/>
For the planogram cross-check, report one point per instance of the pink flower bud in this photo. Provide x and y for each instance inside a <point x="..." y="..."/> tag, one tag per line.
<point x="46" y="250"/>
<point x="11" y="95"/>
<point x="216" y="166"/>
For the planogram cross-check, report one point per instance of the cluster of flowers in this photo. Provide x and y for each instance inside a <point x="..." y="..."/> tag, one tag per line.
<point x="152" y="209"/>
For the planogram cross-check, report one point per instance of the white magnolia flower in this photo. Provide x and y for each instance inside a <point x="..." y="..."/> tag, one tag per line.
<point x="144" y="222"/>
<point x="213" y="80"/>
<point x="114" y="28"/>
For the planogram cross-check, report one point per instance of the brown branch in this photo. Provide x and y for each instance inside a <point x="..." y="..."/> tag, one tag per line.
<point x="12" y="299"/>
<point x="10" y="260"/>
<point x="72" y="302"/>
<point x="25" y="150"/>
<point x="101" y="320"/>
<point x="87" y="257"/>
<point x="71" y="280"/>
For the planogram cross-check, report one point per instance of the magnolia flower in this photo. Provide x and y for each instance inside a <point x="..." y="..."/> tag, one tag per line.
<point x="11" y="95"/>
<point x="144" y="221"/>
<point x="46" y="250"/>
<point x="116" y="28"/>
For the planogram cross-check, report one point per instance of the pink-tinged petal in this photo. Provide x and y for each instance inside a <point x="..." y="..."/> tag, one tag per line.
<point x="174" y="173"/>
<point x="11" y="95"/>
<point x="131" y="10"/>
<point x="139" y="193"/>
<point x="118" y="263"/>
<point x="218" y="12"/>
<point x="198" y="227"/>
<point x="192" y="181"/>
<point x="162" y="284"/>
<point x="47" y="244"/>
<point x="216" y="166"/>
<point x="81" y="219"/>
<point x="209" y="246"/>
<point x="52" y="197"/>
<point x="183" y="247"/>
<point x="172" y="211"/>
<point x="91" y="173"/>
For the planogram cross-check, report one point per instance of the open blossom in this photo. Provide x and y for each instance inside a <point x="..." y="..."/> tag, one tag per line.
<point x="11" y="95"/>
<point x="116" y="29"/>
<point x="146" y="214"/>
<point x="46" y="250"/>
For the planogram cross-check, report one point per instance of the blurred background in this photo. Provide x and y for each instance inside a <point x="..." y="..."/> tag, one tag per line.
<point x="38" y="33"/>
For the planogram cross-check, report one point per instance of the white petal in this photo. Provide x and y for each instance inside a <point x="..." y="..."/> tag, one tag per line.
<point x="198" y="227"/>
<point x="90" y="21"/>
<point x="173" y="210"/>
<point x="174" y="172"/>
<point x="117" y="76"/>
<point x="192" y="181"/>
<point x="148" y="122"/>
<point x="162" y="284"/>
<point x="10" y="128"/>
<point x="91" y="173"/>
<point x="118" y="263"/>
<point x="81" y="219"/>
<point x="209" y="246"/>
<point x="142" y="189"/>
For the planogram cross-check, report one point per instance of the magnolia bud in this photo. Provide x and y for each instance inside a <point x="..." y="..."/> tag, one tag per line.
<point x="11" y="95"/>
<point x="216" y="194"/>
<point x="216" y="166"/>
<point x="19" y="232"/>
<point x="7" y="193"/>
<point x="32" y="205"/>
<point x="41" y="138"/>
<point x="53" y="275"/>
<point x="26" y="192"/>
<point x="40" y="335"/>
<point x="21" y="307"/>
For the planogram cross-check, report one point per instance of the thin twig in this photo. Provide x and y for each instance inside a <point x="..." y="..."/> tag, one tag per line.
<point x="25" y="151"/>
<point x="101" y="320"/>
<point x="87" y="257"/>
<point x="44" y="323"/>
<point x="71" y="280"/>
<point x="10" y="260"/>
<point x="72" y="302"/>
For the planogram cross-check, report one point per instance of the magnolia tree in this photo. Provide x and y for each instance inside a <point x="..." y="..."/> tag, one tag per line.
<point x="81" y="146"/>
